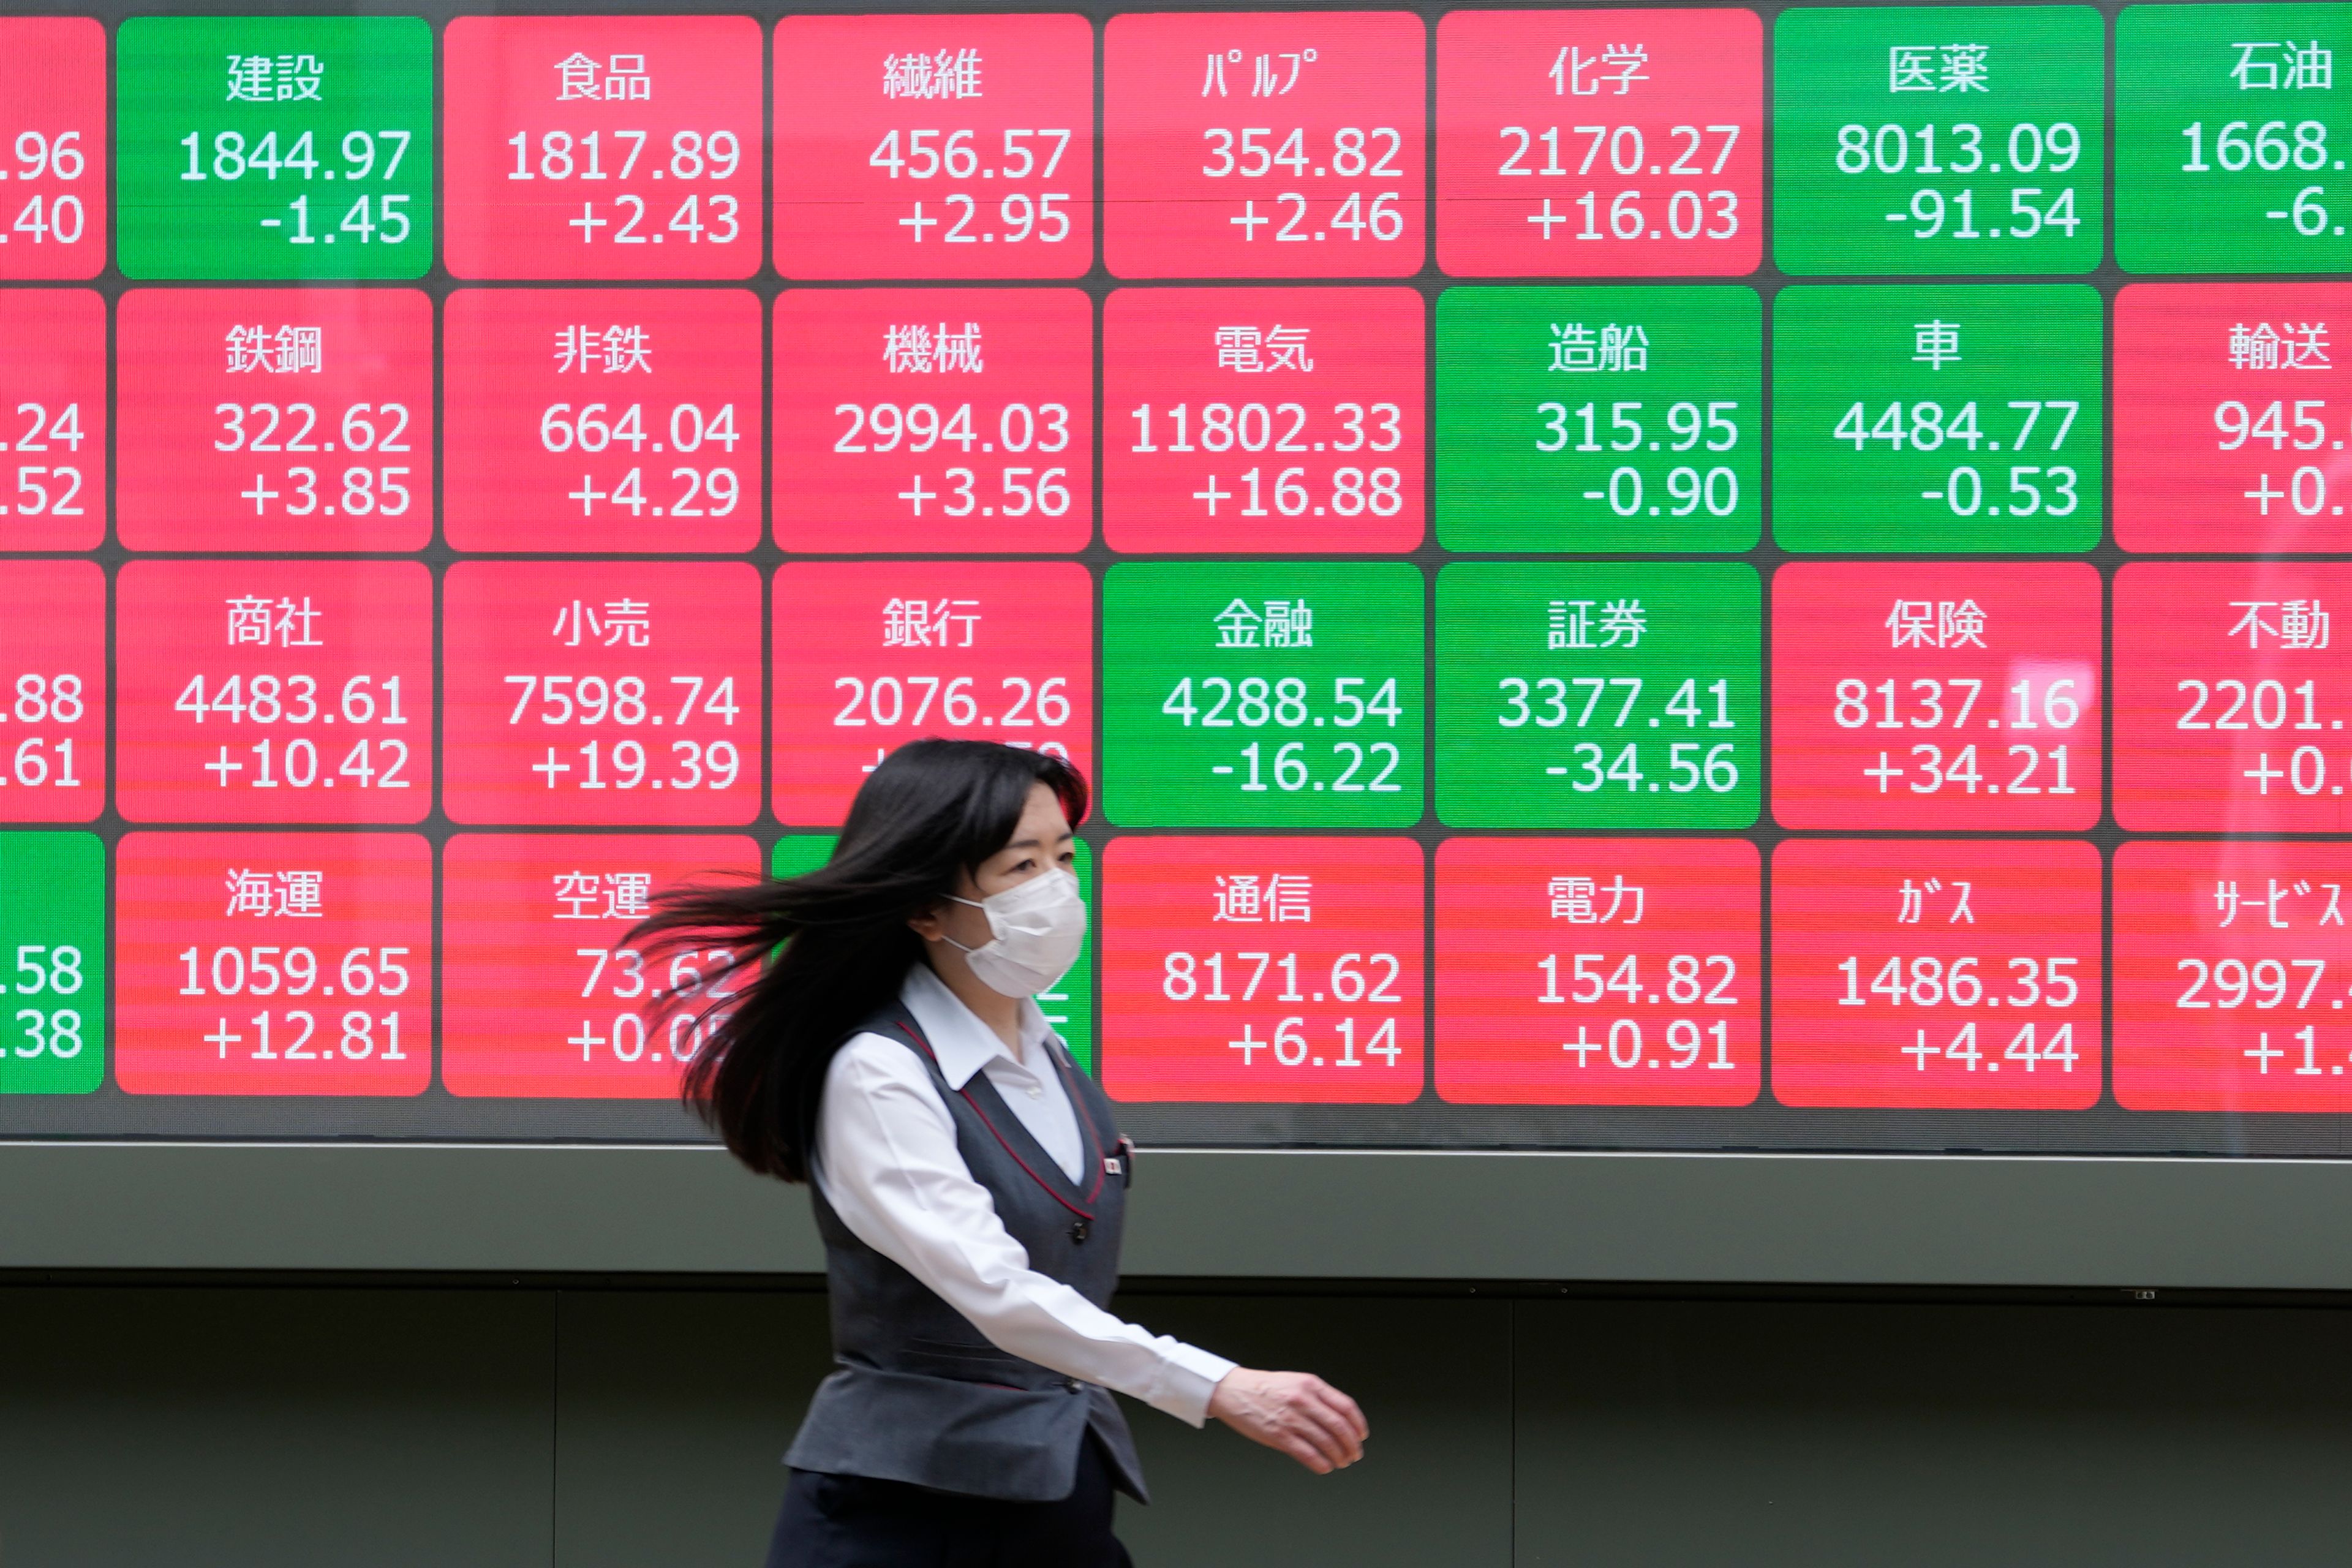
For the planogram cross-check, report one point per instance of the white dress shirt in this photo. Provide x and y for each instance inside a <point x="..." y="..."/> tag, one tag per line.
<point x="887" y="1160"/>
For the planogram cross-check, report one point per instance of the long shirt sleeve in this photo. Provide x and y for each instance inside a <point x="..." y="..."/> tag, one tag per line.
<point x="889" y="1165"/>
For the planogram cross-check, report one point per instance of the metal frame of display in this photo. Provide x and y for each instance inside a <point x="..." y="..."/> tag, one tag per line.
<point x="1686" y="1219"/>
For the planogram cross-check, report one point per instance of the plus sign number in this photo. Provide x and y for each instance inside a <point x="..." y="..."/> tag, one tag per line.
<point x="541" y="995"/>
<point x="1599" y="972"/>
<point x="602" y="694"/>
<point x="603" y="147"/>
<point x="1262" y="969"/>
<point x="2230" y="409"/>
<point x="1933" y="695"/>
<point x="894" y="651"/>
<point x="275" y="419"/>
<point x="1601" y="143"/>
<point x="2230" y="699"/>
<point x="1935" y="973"/>
<point x="949" y="146"/>
<point x="595" y="420"/>
<point x="1263" y="420"/>
<point x="274" y="692"/>
<point x="943" y="420"/>
<point x="1265" y="145"/>
<point x="274" y="963"/>
<point x="2233" y="978"/>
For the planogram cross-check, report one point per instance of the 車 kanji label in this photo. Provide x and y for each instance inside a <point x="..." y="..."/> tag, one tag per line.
<point x="1936" y="418"/>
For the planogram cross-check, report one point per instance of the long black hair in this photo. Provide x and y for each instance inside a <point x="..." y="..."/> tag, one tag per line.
<point x="830" y="947"/>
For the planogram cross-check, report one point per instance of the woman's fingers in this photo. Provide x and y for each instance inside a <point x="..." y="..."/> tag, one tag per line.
<point x="1294" y="1412"/>
<point x="1322" y="1423"/>
<point x="1342" y="1409"/>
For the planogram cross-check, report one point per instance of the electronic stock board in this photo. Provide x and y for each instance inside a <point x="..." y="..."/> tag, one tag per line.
<point x="1681" y="578"/>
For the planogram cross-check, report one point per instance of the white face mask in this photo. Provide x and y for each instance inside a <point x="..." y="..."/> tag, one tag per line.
<point x="1035" y="929"/>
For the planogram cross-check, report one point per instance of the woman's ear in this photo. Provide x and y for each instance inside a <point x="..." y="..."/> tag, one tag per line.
<point x="927" y="924"/>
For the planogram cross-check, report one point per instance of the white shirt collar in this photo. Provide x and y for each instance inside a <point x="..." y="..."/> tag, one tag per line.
<point x="962" y="1044"/>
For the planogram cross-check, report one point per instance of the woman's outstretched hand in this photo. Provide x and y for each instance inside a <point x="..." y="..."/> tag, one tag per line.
<point x="1296" y="1411"/>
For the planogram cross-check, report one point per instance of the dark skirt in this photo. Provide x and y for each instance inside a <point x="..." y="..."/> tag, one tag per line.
<point x="854" y="1521"/>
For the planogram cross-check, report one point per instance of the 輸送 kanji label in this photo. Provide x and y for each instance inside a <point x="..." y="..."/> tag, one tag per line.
<point x="274" y="147"/>
<point x="2232" y="410"/>
<point x="1599" y="695"/>
<point x="1604" y="419"/>
<point x="1258" y="693"/>
<point x="1935" y="417"/>
<point x="2231" y="139"/>
<point x="1939" y="138"/>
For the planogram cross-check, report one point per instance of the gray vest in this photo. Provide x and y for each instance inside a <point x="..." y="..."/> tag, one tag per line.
<point x="921" y="1395"/>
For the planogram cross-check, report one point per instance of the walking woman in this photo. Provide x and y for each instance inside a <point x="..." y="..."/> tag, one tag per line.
<point x="968" y="1180"/>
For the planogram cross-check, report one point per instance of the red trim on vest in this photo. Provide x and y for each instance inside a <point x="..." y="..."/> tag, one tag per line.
<point x="915" y="1034"/>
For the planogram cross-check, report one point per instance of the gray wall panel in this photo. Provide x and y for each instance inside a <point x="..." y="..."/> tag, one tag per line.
<point x="1434" y="1488"/>
<point x="1669" y="1434"/>
<point x="276" y="1428"/>
<point x="672" y="1413"/>
<point x="1771" y="1219"/>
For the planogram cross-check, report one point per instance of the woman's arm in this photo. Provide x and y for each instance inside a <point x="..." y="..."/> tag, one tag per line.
<point x="889" y="1163"/>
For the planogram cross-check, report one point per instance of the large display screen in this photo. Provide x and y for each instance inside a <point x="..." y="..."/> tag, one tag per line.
<point x="1705" y="577"/>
